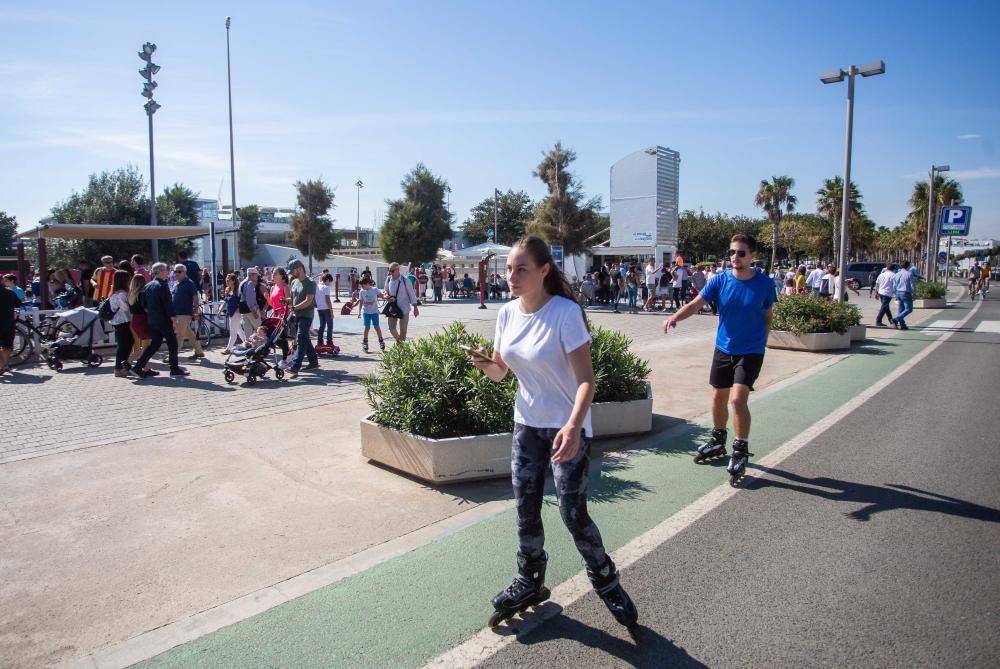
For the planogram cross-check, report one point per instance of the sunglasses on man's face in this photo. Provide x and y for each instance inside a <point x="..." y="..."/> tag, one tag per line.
<point x="738" y="252"/>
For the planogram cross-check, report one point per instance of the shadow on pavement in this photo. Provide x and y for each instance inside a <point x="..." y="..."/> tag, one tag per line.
<point x="651" y="650"/>
<point x="12" y="377"/>
<point x="876" y="499"/>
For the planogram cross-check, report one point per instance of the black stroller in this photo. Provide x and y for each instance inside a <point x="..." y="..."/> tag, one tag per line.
<point x="73" y="339"/>
<point x="254" y="363"/>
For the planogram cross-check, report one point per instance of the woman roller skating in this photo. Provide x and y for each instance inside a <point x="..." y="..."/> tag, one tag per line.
<point x="543" y="338"/>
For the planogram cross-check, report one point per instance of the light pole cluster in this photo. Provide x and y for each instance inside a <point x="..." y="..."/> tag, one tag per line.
<point x="357" y="223"/>
<point x="151" y="106"/>
<point x="832" y="77"/>
<point x="232" y="156"/>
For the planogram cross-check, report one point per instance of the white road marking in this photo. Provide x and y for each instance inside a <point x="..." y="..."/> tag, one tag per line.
<point x="937" y="327"/>
<point x="988" y="326"/>
<point x="488" y="643"/>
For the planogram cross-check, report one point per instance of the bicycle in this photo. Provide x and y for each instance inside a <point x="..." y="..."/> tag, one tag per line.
<point x="25" y="333"/>
<point x="209" y="327"/>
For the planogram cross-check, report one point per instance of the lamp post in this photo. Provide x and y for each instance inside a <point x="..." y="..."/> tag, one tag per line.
<point x="496" y="228"/>
<point x="232" y="157"/>
<point x="357" y="226"/>
<point x="832" y="77"/>
<point x="932" y="237"/>
<point x="147" y="73"/>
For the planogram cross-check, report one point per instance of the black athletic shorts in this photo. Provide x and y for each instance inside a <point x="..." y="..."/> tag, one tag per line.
<point x="7" y="338"/>
<point x="731" y="369"/>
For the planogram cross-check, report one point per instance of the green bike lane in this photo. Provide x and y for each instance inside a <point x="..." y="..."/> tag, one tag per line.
<point x="412" y="608"/>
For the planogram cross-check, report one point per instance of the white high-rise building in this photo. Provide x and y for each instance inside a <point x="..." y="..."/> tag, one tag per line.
<point x="644" y="198"/>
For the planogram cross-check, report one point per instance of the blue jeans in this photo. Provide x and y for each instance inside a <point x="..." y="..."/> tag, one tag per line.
<point x="325" y="323"/>
<point x="304" y="346"/>
<point x="886" y="309"/>
<point x="905" y="305"/>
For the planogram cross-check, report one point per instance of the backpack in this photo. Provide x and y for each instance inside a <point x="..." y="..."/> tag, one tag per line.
<point x="104" y="310"/>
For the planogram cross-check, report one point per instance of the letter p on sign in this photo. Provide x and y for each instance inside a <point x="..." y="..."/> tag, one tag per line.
<point x="955" y="215"/>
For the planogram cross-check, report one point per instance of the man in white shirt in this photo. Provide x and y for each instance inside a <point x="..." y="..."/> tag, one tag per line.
<point x="815" y="280"/>
<point x="885" y="284"/>
<point x="652" y="278"/>
<point x="826" y="282"/>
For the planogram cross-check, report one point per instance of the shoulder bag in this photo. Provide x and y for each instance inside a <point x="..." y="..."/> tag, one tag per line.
<point x="391" y="308"/>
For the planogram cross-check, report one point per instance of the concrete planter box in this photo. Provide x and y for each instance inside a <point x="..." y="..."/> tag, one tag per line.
<point x="936" y="303"/>
<point x="820" y="341"/>
<point x="858" y="332"/>
<point x="438" y="460"/>
<point x="615" y="419"/>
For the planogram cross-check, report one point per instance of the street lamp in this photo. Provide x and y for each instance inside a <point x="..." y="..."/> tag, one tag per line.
<point x="932" y="233"/>
<point x="232" y="157"/>
<point x="496" y="225"/>
<point x="151" y="106"/>
<point x="357" y="226"/>
<point x="832" y="77"/>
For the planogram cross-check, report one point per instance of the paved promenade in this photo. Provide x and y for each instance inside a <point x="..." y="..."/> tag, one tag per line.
<point x="104" y="544"/>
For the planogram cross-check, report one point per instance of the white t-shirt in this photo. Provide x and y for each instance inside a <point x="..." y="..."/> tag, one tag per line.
<point x="886" y="283"/>
<point x="536" y="347"/>
<point x="403" y="291"/>
<point x="652" y="276"/>
<point x="681" y="277"/>
<point x="815" y="278"/>
<point x="322" y="291"/>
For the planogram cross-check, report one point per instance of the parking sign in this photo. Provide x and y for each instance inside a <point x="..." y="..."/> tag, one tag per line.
<point x="955" y="221"/>
<point x="557" y="255"/>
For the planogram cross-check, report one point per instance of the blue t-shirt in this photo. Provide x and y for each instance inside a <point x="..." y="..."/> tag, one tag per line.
<point x="741" y="305"/>
<point x="183" y="298"/>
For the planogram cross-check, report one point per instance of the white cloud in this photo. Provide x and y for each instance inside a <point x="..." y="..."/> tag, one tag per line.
<point x="970" y="136"/>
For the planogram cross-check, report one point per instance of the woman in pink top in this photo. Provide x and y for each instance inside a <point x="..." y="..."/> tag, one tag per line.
<point x="277" y="297"/>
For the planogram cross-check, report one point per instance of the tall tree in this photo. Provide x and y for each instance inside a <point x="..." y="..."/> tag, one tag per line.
<point x="249" y="224"/>
<point x="417" y="224"/>
<point x="8" y="228"/>
<point x="830" y="203"/>
<point x="514" y="212"/>
<point x="775" y="198"/>
<point x="311" y="225"/>
<point x="946" y="191"/>
<point x="565" y="216"/>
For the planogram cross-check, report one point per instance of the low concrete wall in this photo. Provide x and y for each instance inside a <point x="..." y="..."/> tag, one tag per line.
<point x="616" y="419"/>
<point x="438" y="460"/>
<point x="937" y="303"/>
<point x="858" y="332"/>
<point x="820" y="341"/>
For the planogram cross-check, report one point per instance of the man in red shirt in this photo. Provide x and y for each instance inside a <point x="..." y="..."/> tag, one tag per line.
<point x="138" y="267"/>
<point x="104" y="278"/>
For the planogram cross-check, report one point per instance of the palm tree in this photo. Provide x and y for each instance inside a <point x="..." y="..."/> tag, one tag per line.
<point x="771" y="197"/>
<point x="946" y="191"/>
<point x="831" y="198"/>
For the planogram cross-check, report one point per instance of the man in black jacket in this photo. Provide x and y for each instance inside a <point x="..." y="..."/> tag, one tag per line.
<point x="160" y="314"/>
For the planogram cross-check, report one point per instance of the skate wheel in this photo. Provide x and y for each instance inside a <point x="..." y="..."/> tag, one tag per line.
<point x="497" y="618"/>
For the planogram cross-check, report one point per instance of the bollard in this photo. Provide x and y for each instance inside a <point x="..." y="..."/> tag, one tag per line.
<point x="336" y="287"/>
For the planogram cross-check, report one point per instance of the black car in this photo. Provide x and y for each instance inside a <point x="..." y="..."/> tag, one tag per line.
<point x="857" y="273"/>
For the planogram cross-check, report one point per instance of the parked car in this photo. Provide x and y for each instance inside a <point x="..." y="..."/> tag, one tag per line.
<point x="857" y="273"/>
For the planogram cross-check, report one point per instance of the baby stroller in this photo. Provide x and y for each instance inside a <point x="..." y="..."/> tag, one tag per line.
<point x="254" y="363"/>
<point x="73" y="338"/>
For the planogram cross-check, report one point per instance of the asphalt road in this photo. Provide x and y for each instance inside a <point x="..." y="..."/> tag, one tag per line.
<point x="876" y="545"/>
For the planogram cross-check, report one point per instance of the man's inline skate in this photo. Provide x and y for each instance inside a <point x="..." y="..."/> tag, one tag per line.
<point x="609" y="588"/>
<point x="527" y="590"/>
<point x="738" y="462"/>
<point x="714" y="448"/>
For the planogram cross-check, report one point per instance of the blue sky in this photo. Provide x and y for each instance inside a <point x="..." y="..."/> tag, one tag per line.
<point x="476" y="90"/>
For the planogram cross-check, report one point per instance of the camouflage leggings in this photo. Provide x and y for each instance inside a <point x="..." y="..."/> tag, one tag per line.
<point x="530" y="457"/>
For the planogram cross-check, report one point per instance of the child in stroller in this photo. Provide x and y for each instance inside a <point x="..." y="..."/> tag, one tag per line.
<point x="257" y="358"/>
<point x="73" y="339"/>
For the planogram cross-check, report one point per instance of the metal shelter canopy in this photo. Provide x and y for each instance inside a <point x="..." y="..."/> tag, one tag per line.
<point x="481" y="249"/>
<point x="112" y="232"/>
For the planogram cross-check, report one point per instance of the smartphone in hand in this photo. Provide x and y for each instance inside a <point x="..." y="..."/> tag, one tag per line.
<point x="477" y="354"/>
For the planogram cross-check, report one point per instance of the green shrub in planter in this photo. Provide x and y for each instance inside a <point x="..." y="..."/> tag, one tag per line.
<point x="620" y="374"/>
<point x="851" y="312"/>
<point x="926" y="290"/>
<point x="429" y="388"/>
<point x="801" y="314"/>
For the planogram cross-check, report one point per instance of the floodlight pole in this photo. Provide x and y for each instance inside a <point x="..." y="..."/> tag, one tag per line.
<point x="357" y="225"/>
<point x="152" y="187"/>
<point x="232" y="156"/>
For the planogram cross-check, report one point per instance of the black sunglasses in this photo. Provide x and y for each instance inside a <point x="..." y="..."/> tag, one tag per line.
<point x="738" y="252"/>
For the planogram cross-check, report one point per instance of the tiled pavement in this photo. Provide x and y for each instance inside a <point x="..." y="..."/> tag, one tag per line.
<point x="82" y="407"/>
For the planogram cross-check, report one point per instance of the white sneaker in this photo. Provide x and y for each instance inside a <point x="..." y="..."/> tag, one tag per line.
<point x="282" y="365"/>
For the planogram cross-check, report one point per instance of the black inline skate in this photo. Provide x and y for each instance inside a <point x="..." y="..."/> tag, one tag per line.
<point x="714" y="448"/>
<point x="609" y="588"/>
<point x="738" y="462"/>
<point x="526" y="590"/>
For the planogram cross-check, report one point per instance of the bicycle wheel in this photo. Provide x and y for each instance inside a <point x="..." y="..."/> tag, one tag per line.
<point x="205" y="332"/>
<point x="24" y="345"/>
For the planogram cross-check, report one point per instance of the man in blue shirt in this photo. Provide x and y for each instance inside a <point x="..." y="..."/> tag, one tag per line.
<point x="186" y="301"/>
<point x="744" y="298"/>
<point x="904" y="294"/>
